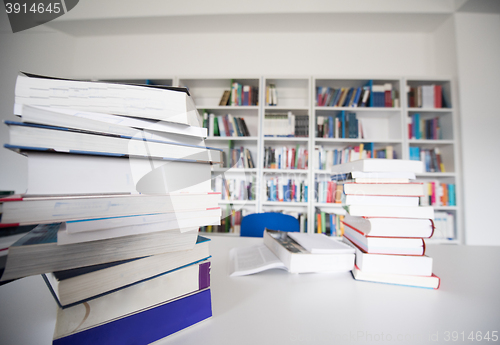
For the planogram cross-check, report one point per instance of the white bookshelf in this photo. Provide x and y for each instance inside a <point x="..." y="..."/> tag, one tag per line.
<point x="382" y="126"/>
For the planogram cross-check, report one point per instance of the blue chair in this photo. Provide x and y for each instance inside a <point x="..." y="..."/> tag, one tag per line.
<point x="254" y="224"/>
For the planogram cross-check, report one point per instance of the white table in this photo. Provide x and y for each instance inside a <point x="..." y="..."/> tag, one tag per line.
<point x="275" y="307"/>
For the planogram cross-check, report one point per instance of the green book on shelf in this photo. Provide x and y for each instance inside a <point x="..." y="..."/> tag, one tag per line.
<point x="216" y="127"/>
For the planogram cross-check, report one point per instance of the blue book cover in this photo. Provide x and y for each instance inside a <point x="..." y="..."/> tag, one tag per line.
<point x="371" y="99"/>
<point x="451" y="196"/>
<point x="333" y="229"/>
<point x="356" y="97"/>
<point x="148" y="325"/>
<point x="330" y="127"/>
<point x="348" y="97"/>
<point x="342" y="117"/>
<point x="336" y="97"/>
<point x="416" y="126"/>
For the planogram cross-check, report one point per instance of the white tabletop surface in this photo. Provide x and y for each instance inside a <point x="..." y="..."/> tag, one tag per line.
<point x="275" y="307"/>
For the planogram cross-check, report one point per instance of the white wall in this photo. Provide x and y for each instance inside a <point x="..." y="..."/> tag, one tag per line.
<point x="478" y="48"/>
<point x="255" y="54"/>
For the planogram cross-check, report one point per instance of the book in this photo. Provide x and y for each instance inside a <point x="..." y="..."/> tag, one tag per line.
<point x="384" y="245"/>
<point x="382" y="200"/>
<point x="72" y="287"/>
<point x="104" y="123"/>
<point x="319" y="243"/>
<point x="172" y="104"/>
<point x="224" y="100"/>
<point x="299" y="260"/>
<point x="51" y="173"/>
<point x="50" y="209"/>
<point x="10" y="234"/>
<point x="391" y="227"/>
<point x="174" y="221"/>
<point x="387" y="189"/>
<point x="379" y="165"/>
<point x="425" y="212"/>
<point x="143" y="326"/>
<point x="37" y="252"/>
<point x="60" y="139"/>
<point x="392" y="264"/>
<point x="253" y="259"/>
<point x="429" y="282"/>
<point x="119" y="222"/>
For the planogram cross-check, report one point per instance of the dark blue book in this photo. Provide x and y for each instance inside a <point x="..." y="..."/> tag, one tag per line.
<point x="148" y="325"/>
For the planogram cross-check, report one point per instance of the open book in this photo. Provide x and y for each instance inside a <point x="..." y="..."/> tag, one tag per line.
<point x="294" y="252"/>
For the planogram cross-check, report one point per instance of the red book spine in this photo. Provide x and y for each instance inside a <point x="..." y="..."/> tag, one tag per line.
<point x="388" y="98"/>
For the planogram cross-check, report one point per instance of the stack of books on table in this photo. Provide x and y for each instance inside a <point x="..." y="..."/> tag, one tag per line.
<point x="384" y="223"/>
<point x="115" y="202"/>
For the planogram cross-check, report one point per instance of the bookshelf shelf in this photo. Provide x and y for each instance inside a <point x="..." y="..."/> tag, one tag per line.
<point x="284" y="203"/>
<point x="436" y="174"/>
<point x="433" y="110"/>
<point x="284" y="108"/>
<point x="229" y="107"/>
<point x="358" y="109"/>
<point x="285" y="171"/>
<point x="234" y="170"/>
<point x="431" y="142"/>
<point x="238" y="202"/>
<point x="286" y="139"/>
<point x="385" y="129"/>
<point x="232" y="138"/>
<point x="347" y="140"/>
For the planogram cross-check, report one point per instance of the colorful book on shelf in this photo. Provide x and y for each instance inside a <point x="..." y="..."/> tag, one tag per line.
<point x="143" y="326"/>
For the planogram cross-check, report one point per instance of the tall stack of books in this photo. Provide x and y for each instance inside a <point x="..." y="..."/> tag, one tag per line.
<point x="385" y="224"/>
<point x="118" y="186"/>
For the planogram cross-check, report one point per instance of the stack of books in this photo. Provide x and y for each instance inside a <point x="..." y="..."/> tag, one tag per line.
<point x="385" y="224"/>
<point x="115" y="203"/>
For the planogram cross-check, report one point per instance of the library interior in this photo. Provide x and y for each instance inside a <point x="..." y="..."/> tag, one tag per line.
<point x="264" y="172"/>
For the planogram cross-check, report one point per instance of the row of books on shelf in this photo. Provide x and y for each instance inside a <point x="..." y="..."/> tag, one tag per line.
<point x="271" y="95"/>
<point x="286" y="125"/>
<point x="328" y="192"/>
<point x="328" y="223"/>
<point x="431" y="158"/>
<point x="240" y="158"/>
<point x="286" y="157"/>
<point x="225" y="125"/>
<point x="240" y="95"/>
<point x="344" y="125"/>
<point x="326" y="159"/>
<point x="438" y="194"/>
<point x="235" y="188"/>
<point x="444" y="223"/>
<point x="424" y="129"/>
<point x="371" y="95"/>
<point x="286" y="189"/>
<point x="426" y="96"/>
